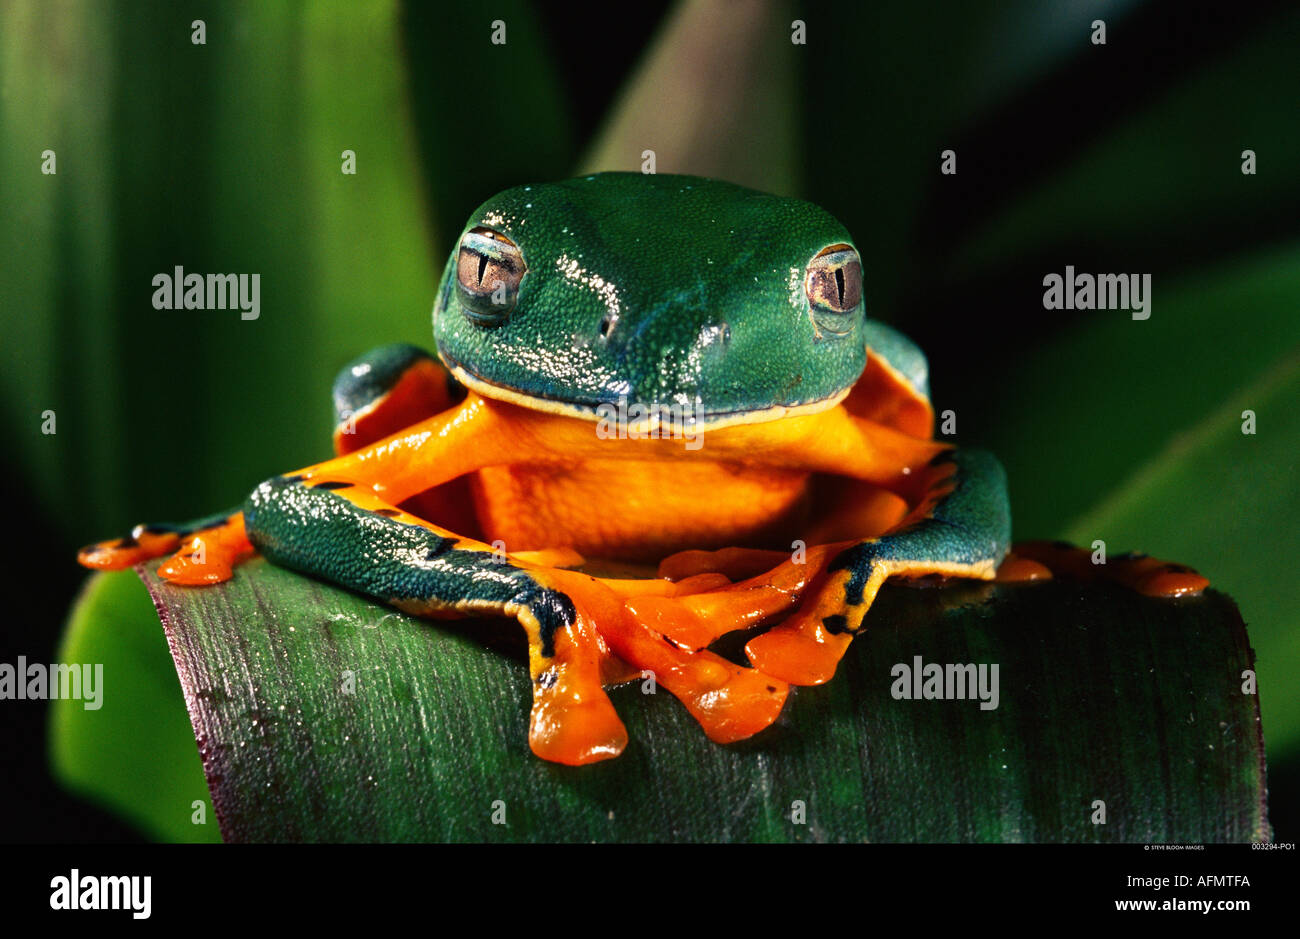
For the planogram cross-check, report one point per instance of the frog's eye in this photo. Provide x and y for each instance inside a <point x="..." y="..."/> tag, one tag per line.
<point x="834" y="287"/>
<point x="489" y="269"/>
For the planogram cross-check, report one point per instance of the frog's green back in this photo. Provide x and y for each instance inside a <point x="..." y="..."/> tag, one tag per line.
<point x="657" y="289"/>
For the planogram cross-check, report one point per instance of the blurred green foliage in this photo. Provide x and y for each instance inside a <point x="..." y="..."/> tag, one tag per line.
<point x="226" y="157"/>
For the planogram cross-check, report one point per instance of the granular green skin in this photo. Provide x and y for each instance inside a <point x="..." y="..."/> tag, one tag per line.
<point x="657" y="289"/>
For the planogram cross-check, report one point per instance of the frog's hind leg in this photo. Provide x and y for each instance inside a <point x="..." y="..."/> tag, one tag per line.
<point x="386" y="390"/>
<point x="961" y="528"/>
<point x="347" y="535"/>
<point x="204" y="551"/>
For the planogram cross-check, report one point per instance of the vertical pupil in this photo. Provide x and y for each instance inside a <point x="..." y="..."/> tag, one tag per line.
<point x="839" y="283"/>
<point x="482" y="266"/>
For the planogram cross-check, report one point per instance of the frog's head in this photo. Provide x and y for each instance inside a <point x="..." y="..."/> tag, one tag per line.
<point x="657" y="290"/>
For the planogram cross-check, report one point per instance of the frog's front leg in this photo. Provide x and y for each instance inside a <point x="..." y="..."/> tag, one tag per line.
<point x="962" y="528"/>
<point x="349" y="536"/>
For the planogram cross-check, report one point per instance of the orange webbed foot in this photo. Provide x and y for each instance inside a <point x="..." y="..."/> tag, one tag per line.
<point x="572" y="720"/>
<point x="202" y="555"/>
<point x="119" y="553"/>
<point x="1043" y="560"/>
<point x="806" y="648"/>
<point x="798" y="651"/>
<point x="731" y="702"/>
<point x="209" y="555"/>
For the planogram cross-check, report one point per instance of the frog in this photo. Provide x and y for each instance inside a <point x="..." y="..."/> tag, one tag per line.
<point x="657" y="414"/>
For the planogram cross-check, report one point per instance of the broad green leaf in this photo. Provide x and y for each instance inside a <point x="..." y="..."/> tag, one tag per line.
<point x="323" y="717"/>
<point x="135" y="754"/>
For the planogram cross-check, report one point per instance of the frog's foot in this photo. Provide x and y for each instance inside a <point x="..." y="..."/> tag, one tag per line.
<point x="144" y="543"/>
<point x="959" y="529"/>
<point x="1043" y="560"/>
<point x="804" y="649"/>
<point x="209" y="556"/>
<point x="731" y="702"/>
<point x="710" y="611"/>
<point x="572" y="719"/>
<point x="208" y="548"/>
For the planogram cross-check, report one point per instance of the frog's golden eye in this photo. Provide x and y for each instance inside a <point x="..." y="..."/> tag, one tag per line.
<point x="834" y="286"/>
<point x="489" y="269"/>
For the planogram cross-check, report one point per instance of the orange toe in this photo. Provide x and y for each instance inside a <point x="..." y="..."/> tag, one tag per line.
<point x="697" y="620"/>
<point x="569" y="730"/>
<point x="209" y="557"/>
<point x="120" y="553"/>
<point x="798" y="654"/>
<point x="730" y="702"/>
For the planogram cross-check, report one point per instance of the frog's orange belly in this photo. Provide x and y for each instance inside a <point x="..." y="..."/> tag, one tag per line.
<point x="636" y="511"/>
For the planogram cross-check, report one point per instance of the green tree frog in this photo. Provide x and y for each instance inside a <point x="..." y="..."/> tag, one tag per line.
<point x="658" y="414"/>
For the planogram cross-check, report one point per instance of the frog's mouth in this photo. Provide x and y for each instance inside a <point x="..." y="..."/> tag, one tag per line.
<point x="636" y="417"/>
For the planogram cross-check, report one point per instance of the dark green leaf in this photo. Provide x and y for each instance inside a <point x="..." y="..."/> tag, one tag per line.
<point x="1104" y="695"/>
